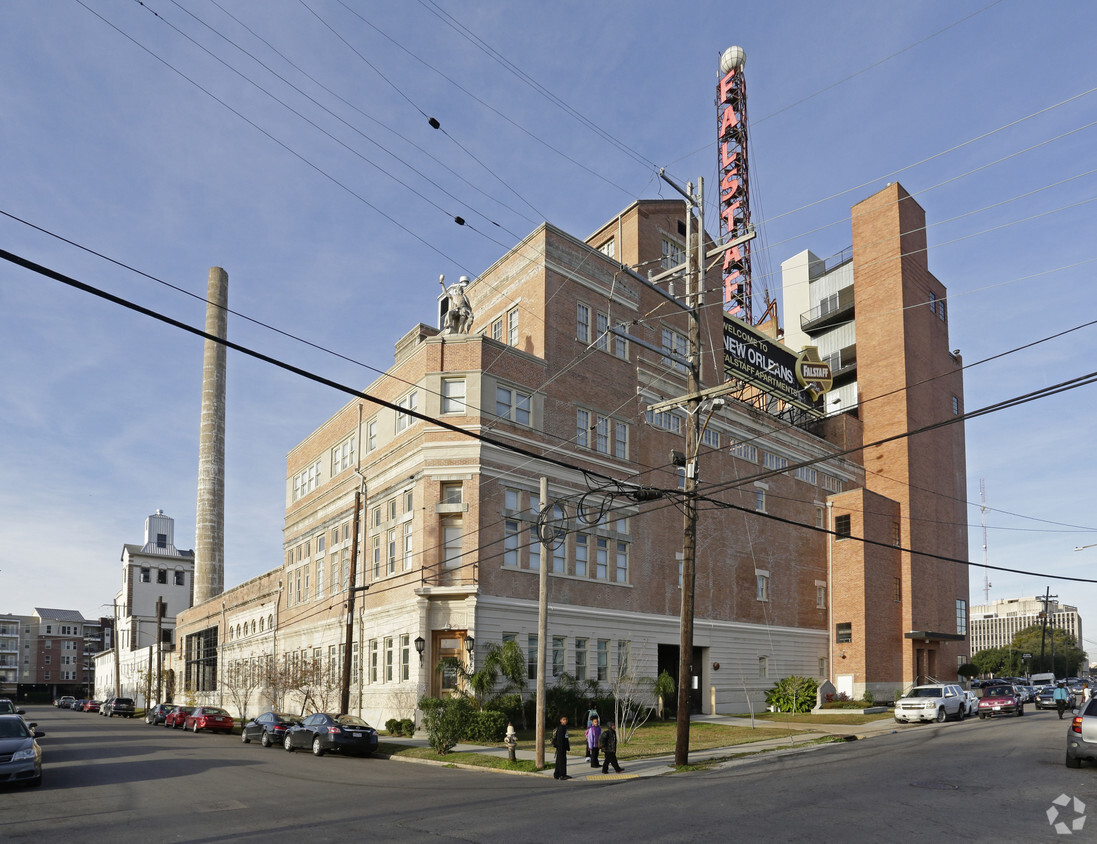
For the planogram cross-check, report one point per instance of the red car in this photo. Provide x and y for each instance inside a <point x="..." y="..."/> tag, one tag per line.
<point x="177" y="717"/>
<point x="209" y="718"/>
<point x="92" y="705"/>
<point x="1001" y="700"/>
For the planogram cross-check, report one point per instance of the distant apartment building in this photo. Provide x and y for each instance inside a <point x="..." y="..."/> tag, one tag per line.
<point x="10" y="652"/>
<point x="995" y="624"/>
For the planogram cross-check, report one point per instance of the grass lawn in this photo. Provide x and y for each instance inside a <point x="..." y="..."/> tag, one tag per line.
<point x="480" y="760"/>
<point x="832" y="716"/>
<point x="657" y="739"/>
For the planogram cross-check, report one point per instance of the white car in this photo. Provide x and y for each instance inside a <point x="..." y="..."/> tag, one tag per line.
<point x="938" y="702"/>
<point x="972" y="703"/>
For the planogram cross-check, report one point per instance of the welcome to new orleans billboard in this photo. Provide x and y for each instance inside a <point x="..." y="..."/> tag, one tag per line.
<point x="800" y="379"/>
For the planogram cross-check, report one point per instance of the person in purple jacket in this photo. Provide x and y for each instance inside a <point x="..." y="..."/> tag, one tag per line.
<point x="594" y="732"/>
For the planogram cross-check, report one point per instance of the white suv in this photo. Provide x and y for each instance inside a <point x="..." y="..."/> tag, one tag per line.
<point x="931" y="703"/>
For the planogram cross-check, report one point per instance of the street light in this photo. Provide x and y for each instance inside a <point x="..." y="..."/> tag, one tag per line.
<point x="470" y="645"/>
<point x="420" y="646"/>
<point x="1084" y="547"/>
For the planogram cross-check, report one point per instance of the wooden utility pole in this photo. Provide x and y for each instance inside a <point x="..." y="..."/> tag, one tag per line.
<point x="352" y="590"/>
<point x="159" y="649"/>
<point x="542" y="629"/>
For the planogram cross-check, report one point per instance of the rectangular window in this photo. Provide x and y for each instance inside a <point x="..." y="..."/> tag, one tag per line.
<point x="392" y="546"/>
<point x="842" y="527"/>
<point x="146" y="574"/>
<point x="674" y="254"/>
<point x="373" y="659"/>
<point x="829" y="483"/>
<point x="558" y="644"/>
<point x="620" y="440"/>
<point x="531" y="657"/>
<point x="180" y="579"/>
<point x="453" y="395"/>
<point x="664" y="419"/>
<point x="601" y="558"/>
<point x="710" y="437"/>
<point x="763" y="667"/>
<point x="392" y="509"/>
<point x="609" y="248"/>
<point x="513" y="405"/>
<point x="896" y="535"/>
<point x="961" y="616"/>
<point x="897" y="590"/>
<point x="342" y="456"/>
<point x="821" y="597"/>
<point x="843" y="631"/>
<point x="376" y="556"/>
<point x="624" y="648"/>
<point x="675" y="344"/>
<point x="389" y="659"/>
<point x="582" y="427"/>
<point x="451" y="542"/>
<point x="319" y="580"/>
<point x="581" y="549"/>
<point x="746" y="451"/>
<point x="760" y="498"/>
<point x="955" y="405"/>
<point x="622" y="562"/>
<point x="512" y="500"/>
<point x="581" y="660"/>
<point x="582" y="322"/>
<point x="497" y="330"/>
<point x="534" y="550"/>
<point x="620" y="344"/>
<point x="603" y="660"/>
<point x="344" y="562"/>
<point x="450" y="493"/>
<point x="601" y="434"/>
<point x="761" y="588"/>
<point x="560" y="558"/>
<point x="162" y="576"/>
<point x="371" y="435"/>
<point x="806" y="473"/>
<point x="774" y="461"/>
<point x="933" y="303"/>
<point x="405" y="656"/>
<point x="510" y="543"/>
<point x="512" y="327"/>
<point x="409" y="545"/>
<point x="408" y="402"/>
<point x="601" y="328"/>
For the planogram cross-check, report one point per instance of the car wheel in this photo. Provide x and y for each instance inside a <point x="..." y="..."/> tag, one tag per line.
<point x="941" y="715"/>
<point x="1073" y="761"/>
<point x="287" y="743"/>
<point x="961" y="714"/>
<point x="317" y="748"/>
<point x="265" y="741"/>
<point x="244" y="737"/>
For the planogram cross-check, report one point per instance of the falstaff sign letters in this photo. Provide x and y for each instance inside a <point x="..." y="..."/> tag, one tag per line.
<point x="798" y="379"/>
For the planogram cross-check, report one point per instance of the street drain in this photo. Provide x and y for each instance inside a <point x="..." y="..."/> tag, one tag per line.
<point x="938" y="786"/>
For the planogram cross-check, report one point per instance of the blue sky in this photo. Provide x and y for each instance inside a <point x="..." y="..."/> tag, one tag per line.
<point x="139" y="136"/>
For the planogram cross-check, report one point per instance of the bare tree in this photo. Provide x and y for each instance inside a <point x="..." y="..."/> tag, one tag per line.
<point x="241" y="680"/>
<point x="277" y="679"/>
<point x="634" y="698"/>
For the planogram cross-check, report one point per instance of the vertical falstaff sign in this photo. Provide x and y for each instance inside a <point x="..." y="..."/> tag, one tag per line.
<point x="797" y="379"/>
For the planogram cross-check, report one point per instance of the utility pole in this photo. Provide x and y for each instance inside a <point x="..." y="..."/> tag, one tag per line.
<point x="1043" y="628"/>
<point x="159" y="648"/>
<point x="117" y="658"/>
<point x="542" y="633"/>
<point x="352" y="590"/>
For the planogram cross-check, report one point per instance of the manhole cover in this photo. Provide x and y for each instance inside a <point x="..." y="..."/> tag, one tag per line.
<point x="939" y="786"/>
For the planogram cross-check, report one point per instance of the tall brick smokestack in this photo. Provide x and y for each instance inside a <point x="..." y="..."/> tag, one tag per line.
<point x="209" y="523"/>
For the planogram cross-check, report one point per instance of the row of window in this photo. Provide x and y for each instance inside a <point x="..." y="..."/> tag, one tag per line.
<point x="601" y="433"/>
<point x="389" y="659"/>
<point x="598" y="332"/>
<point x="178" y="576"/>
<point x="505" y="328"/>
<point x="246" y="628"/>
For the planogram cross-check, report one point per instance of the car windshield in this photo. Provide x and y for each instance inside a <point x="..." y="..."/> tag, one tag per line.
<point x="13" y="728"/>
<point x="6" y="706"/>
<point x="213" y="710"/>
<point x="998" y="691"/>
<point x="350" y="721"/>
<point x="928" y="692"/>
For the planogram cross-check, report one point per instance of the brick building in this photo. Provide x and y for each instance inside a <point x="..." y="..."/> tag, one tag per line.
<point x="449" y="551"/>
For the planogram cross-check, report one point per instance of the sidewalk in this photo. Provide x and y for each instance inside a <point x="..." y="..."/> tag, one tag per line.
<point x="801" y="738"/>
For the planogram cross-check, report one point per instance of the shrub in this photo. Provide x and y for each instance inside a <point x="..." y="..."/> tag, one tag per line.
<point x="446" y="721"/>
<point x="868" y="697"/>
<point x="407" y="727"/>
<point x="486" y="727"/>
<point x="393" y="727"/>
<point x="793" y="694"/>
<point x="510" y="705"/>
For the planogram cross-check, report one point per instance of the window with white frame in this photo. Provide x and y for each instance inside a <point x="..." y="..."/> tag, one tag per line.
<point x="582" y="322"/>
<point x="405" y="656"/>
<point x="409" y="546"/>
<point x="582" y="550"/>
<point x="677" y="345"/>
<point x="512" y="327"/>
<point x="497" y="330"/>
<point x="453" y="395"/>
<point x="601" y="434"/>
<point x="609" y="248"/>
<point x="760" y="497"/>
<point x="820" y="597"/>
<point x="408" y="402"/>
<point x="452" y="534"/>
<point x="620" y="344"/>
<point x="392" y="546"/>
<point x="390" y="655"/>
<point x="306" y="481"/>
<point x="601" y="558"/>
<point x="774" y="461"/>
<point x="620" y="440"/>
<point x="513" y="405"/>
<point x="376" y="556"/>
<point x="558" y="645"/>
<point x="511" y="542"/>
<point x="581" y="660"/>
<point x="603" y="660"/>
<point x="371" y="435"/>
<point x="710" y="437"/>
<point x="342" y="456"/>
<point x="745" y="451"/>
<point x="806" y="473"/>
<point x="674" y="253"/>
<point x="664" y="419"/>
<point x="601" y="329"/>
<point x="763" y="667"/>
<point x="622" y="562"/>
<point x="582" y="427"/>
<point x="761" y="585"/>
<point x="449" y="492"/>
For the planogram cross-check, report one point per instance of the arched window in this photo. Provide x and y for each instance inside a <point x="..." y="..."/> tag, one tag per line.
<point x="270" y="622"/>
<point x="262" y="621"/>
<point x="253" y="626"/>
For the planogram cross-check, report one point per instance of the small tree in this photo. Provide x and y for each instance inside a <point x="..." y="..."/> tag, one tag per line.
<point x="793" y="694"/>
<point x="446" y="721"/>
<point x="633" y="697"/>
<point x="241" y="679"/>
<point x="664" y="689"/>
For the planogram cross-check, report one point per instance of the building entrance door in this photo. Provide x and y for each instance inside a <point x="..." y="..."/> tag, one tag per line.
<point x="448" y="652"/>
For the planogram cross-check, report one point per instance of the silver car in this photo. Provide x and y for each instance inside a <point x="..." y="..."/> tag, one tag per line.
<point x="1082" y="735"/>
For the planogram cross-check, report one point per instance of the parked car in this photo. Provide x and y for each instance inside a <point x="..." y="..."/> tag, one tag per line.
<point x="121" y="706"/>
<point x="78" y="704"/>
<point x="1003" y="699"/>
<point x="20" y="754"/>
<point x="1082" y="736"/>
<point x="156" y="713"/>
<point x="971" y="704"/>
<point x="1044" y="698"/>
<point x="325" y="732"/>
<point x="64" y="702"/>
<point x="91" y="705"/>
<point x="212" y="718"/>
<point x="931" y="703"/>
<point x="177" y="717"/>
<point x="7" y="707"/>
<point x="268" y="728"/>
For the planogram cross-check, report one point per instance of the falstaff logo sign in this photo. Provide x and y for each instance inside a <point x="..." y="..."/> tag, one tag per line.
<point x="798" y="379"/>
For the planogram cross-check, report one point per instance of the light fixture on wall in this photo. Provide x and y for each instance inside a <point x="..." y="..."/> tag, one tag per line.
<point x="470" y="645"/>
<point x="420" y="646"/>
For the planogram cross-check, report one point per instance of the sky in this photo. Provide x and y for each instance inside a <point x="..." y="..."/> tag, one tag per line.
<point x="289" y="142"/>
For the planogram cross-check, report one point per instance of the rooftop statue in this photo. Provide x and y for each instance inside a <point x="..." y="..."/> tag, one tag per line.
<point x="458" y="316"/>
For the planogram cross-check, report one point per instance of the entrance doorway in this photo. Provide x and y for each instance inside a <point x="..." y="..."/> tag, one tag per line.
<point x="668" y="661"/>
<point x="448" y="652"/>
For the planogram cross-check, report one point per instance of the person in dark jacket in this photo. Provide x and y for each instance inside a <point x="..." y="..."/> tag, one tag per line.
<point x="608" y="741"/>
<point x="563" y="745"/>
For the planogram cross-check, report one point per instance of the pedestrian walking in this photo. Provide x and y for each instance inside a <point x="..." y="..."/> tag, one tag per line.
<point x="1061" y="696"/>
<point x="608" y="742"/>
<point x="562" y="744"/>
<point x="594" y="733"/>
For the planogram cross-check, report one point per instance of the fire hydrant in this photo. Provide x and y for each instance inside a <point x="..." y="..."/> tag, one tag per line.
<point x="511" y="741"/>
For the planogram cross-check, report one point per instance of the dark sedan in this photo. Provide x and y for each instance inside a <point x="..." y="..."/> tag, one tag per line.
<point x="20" y="755"/>
<point x="158" y="713"/>
<point x="325" y="732"/>
<point x="176" y="718"/>
<point x="268" y="729"/>
<point x="1001" y="700"/>
<point x="1045" y="699"/>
